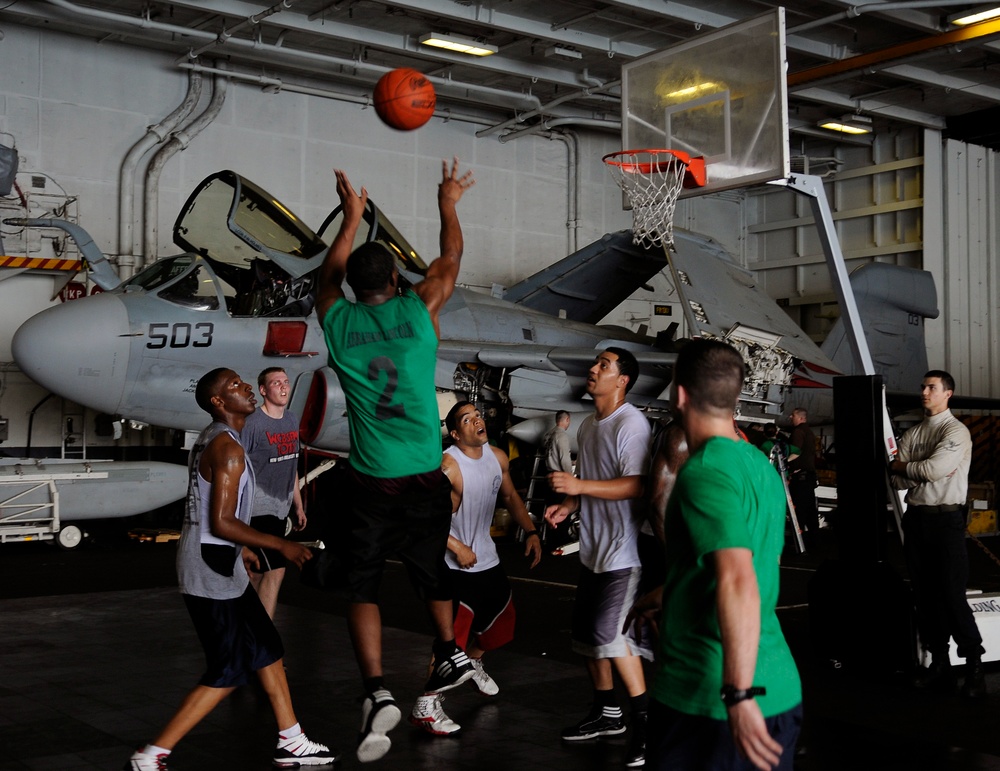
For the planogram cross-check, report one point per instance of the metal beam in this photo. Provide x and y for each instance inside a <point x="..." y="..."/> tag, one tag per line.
<point x="872" y="106"/>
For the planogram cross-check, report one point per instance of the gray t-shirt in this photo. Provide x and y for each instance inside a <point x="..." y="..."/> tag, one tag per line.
<point x="617" y="446"/>
<point x="272" y="444"/>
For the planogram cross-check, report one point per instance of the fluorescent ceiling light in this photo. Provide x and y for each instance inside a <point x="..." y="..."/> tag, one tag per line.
<point x="849" y="124"/>
<point x="562" y="52"/>
<point x="976" y="15"/>
<point x="459" y="44"/>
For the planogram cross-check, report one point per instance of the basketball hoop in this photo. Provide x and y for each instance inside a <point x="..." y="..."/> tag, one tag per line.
<point x="652" y="180"/>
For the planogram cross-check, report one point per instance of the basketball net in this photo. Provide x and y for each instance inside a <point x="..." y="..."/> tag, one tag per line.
<point x="652" y="180"/>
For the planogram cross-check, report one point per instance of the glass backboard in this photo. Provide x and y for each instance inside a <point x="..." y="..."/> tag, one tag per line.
<point x="721" y="95"/>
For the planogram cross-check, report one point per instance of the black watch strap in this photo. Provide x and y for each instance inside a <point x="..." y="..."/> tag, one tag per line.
<point x="530" y="533"/>
<point x="731" y="695"/>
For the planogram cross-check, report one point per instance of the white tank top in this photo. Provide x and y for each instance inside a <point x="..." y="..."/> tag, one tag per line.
<point x="471" y="523"/>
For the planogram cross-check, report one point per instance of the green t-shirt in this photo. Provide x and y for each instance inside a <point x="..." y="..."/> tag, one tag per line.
<point x="385" y="356"/>
<point x="727" y="496"/>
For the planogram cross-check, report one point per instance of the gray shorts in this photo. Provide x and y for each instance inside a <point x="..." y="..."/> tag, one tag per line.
<point x="603" y="600"/>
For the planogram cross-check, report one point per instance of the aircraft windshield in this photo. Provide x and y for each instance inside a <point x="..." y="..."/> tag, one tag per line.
<point x="384" y="232"/>
<point x="160" y="272"/>
<point x="232" y="221"/>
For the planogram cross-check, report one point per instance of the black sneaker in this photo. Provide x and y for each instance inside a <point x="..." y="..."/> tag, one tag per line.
<point x="597" y="723"/>
<point x="635" y="755"/>
<point x="379" y="715"/>
<point x="449" y="672"/>
<point x="292" y="753"/>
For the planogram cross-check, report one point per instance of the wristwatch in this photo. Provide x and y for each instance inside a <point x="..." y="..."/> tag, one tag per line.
<point x="530" y="533"/>
<point x="731" y="695"/>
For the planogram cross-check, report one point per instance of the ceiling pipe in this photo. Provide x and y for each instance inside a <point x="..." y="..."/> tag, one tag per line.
<point x="548" y="106"/>
<point x="178" y="141"/>
<point x="126" y="177"/>
<point x="447" y="85"/>
<point x="254" y="19"/>
<point x="546" y="125"/>
<point x="856" y="10"/>
<point x="276" y="85"/>
<point x="900" y="51"/>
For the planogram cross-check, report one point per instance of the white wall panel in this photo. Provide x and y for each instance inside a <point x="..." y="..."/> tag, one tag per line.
<point x="964" y="340"/>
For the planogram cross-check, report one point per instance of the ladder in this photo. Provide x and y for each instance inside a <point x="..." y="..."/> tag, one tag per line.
<point x="535" y="504"/>
<point x="778" y="461"/>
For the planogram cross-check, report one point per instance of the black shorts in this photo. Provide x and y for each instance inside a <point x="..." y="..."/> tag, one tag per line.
<point x="269" y="559"/>
<point x="237" y="635"/>
<point x="484" y="607"/>
<point x="412" y="522"/>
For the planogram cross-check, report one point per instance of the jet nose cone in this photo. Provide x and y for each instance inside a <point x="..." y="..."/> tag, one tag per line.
<point x="78" y="350"/>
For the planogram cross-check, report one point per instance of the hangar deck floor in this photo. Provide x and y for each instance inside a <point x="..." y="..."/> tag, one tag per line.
<point x="97" y="651"/>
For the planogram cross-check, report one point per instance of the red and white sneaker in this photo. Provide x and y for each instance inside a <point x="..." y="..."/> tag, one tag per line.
<point x="429" y="715"/>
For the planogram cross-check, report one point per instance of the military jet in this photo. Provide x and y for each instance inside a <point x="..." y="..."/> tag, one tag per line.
<point x="241" y="295"/>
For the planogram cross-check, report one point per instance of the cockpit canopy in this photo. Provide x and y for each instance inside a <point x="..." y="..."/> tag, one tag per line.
<point x="261" y="258"/>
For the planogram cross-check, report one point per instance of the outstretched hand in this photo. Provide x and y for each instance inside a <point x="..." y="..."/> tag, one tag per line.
<point x="453" y="186"/>
<point x="353" y="205"/>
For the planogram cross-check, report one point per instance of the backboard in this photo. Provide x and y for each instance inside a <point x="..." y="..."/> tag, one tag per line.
<point x="721" y="95"/>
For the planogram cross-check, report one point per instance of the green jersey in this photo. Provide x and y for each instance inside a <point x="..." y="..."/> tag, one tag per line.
<point x="727" y="495"/>
<point x="385" y="356"/>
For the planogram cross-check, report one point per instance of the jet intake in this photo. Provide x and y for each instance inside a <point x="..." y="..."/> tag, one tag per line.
<point x="324" y="416"/>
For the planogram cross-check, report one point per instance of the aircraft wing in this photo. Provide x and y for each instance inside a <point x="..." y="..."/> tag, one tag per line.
<point x="546" y="378"/>
<point x="592" y="282"/>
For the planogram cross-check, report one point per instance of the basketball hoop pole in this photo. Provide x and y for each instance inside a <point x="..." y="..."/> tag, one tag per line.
<point x="812" y="187"/>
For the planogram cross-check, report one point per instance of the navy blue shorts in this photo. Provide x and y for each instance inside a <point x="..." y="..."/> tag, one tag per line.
<point x="675" y="740"/>
<point x="409" y="517"/>
<point x="237" y="635"/>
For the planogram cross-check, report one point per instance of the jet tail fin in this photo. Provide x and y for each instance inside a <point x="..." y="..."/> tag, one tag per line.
<point x="893" y="302"/>
<point x="591" y="282"/>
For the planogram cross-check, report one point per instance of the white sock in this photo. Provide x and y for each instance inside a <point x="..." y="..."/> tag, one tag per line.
<point x="289" y="733"/>
<point x="153" y="751"/>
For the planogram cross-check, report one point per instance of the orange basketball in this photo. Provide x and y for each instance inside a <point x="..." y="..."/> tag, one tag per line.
<point x="404" y="99"/>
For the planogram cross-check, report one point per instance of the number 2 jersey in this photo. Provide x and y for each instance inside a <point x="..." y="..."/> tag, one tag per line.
<point x="385" y="356"/>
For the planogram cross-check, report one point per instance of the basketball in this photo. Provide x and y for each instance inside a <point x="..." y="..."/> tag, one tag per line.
<point x="404" y="99"/>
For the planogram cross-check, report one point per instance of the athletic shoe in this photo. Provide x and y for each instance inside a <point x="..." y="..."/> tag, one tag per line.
<point x="429" y="715"/>
<point x="299" y="751"/>
<point x="143" y="762"/>
<point x="449" y="672"/>
<point x="485" y="684"/>
<point x="379" y="715"/>
<point x="606" y="722"/>
<point x="635" y="754"/>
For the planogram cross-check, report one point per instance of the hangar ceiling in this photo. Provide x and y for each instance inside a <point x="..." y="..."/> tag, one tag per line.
<point x="558" y="63"/>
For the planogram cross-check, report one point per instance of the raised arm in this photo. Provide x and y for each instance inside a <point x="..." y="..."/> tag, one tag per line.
<point x="334" y="268"/>
<point x="439" y="283"/>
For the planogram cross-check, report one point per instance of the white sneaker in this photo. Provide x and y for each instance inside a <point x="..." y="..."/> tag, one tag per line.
<point x="379" y="715"/>
<point x="300" y="751"/>
<point x="429" y="715"/>
<point x="140" y="761"/>
<point x="485" y="684"/>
